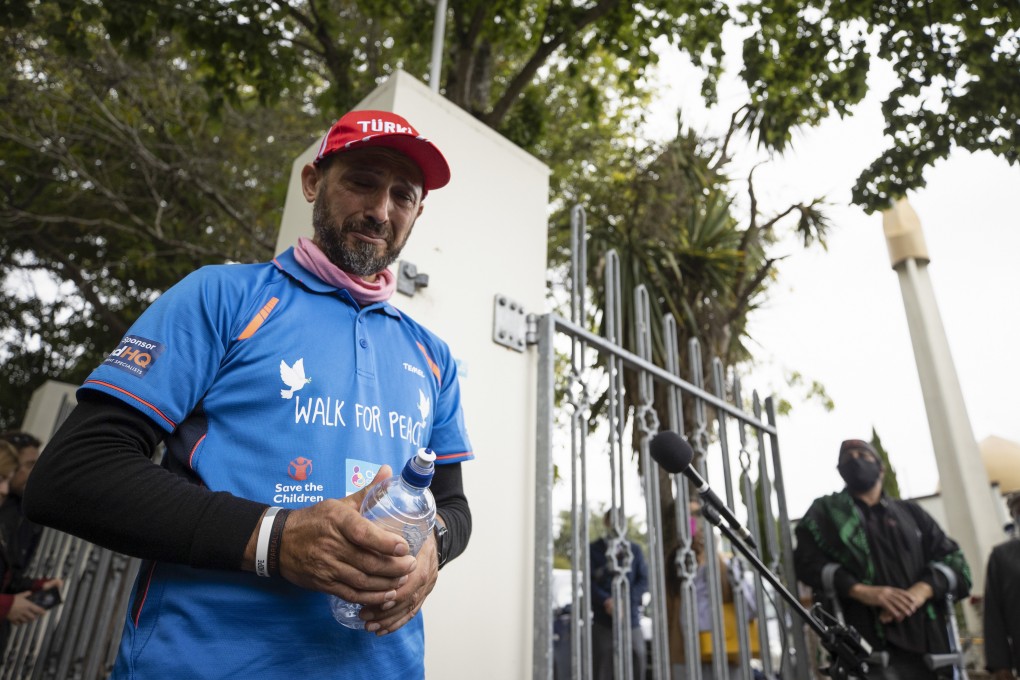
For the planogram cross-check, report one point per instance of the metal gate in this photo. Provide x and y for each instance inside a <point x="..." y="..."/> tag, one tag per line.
<point x="721" y="430"/>
<point x="77" y="640"/>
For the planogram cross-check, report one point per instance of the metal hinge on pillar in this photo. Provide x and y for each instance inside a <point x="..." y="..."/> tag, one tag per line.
<point x="511" y="326"/>
<point x="409" y="280"/>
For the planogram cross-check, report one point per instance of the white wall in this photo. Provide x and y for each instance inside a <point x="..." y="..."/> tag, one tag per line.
<point x="51" y="402"/>
<point x="483" y="234"/>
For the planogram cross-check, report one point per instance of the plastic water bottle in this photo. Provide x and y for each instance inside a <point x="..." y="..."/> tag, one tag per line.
<point x="404" y="505"/>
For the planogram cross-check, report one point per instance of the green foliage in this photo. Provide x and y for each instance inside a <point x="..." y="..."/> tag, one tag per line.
<point x="668" y="213"/>
<point x="115" y="183"/>
<point x="957" y="71"/>
<point x="890" y="485"/>
<point x="815" y="391"/>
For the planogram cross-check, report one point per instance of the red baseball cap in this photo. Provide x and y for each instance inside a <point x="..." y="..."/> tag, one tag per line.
<point x="382" y="128"/>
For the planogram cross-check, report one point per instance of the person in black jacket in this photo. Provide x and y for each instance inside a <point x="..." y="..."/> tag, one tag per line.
<point x="1002" y="603"/>
<point x="895" y="564"/>
<point x="19" y="538"/>
<point x="612" y="557"/>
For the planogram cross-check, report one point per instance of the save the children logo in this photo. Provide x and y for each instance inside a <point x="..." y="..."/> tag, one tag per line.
<point x="299" y="469"/>
<point x="135" y="354"/>
<point x="302" y="491"/>
<point x="293" y="377"/>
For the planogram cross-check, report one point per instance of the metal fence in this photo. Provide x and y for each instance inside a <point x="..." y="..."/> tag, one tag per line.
<point x="76" y="640"/>
<point x="577" y="446"/>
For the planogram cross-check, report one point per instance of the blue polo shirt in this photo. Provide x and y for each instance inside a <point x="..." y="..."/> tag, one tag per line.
<point x="279" y="388"/>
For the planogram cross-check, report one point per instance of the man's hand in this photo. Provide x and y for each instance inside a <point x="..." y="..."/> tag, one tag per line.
<point x="331" y="548"/>
<point x="608" y="605"/>
<point x="410" y="597"/>
<point x="895" y="604"/>
<point x="24" y="610"/>
<point x="919" y="593"/>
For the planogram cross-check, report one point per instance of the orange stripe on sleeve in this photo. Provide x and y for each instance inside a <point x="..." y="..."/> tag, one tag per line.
<point x="172" y="424"/>
<point x="432" y="364"/>
<point x="453" y="456"/>
<point x="257" y="320"/>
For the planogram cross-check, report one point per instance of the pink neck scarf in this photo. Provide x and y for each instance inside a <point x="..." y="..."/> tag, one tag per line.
<point x="364" y="292"/>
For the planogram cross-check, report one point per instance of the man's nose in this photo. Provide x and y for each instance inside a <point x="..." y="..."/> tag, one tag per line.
<point x="377" y="206"/>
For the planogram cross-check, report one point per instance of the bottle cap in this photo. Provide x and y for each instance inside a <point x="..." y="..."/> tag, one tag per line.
<point x="418" y="470"/>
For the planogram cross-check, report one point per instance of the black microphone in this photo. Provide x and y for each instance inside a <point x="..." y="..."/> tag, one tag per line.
<point x="674" y="454"/>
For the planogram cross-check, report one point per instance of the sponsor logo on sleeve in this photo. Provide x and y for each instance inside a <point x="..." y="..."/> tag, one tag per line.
<point x="135" y="354"/>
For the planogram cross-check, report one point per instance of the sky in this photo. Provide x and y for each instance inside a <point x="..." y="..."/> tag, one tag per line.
<point x="837" y="316"/>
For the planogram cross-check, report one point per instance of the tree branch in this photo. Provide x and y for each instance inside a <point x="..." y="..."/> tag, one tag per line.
<point x="743" y="298"/>
<point x="542" y="53"/>
<point x="70" y="271"/>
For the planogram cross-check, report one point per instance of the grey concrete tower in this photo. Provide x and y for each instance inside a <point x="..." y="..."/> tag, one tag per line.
<point x="965" y="490"/>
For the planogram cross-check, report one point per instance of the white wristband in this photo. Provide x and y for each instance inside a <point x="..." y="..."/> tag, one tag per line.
<point x="262" y="546"/>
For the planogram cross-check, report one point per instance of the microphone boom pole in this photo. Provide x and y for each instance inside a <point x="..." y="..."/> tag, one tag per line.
<point x="844" y="643"/>
<point x="848" y="650"/>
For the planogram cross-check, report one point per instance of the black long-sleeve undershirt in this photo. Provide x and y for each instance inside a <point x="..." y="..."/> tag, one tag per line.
<point x="96" y="480"/>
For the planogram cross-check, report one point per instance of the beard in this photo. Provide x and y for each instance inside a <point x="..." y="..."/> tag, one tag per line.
<point x="361" y="258"/>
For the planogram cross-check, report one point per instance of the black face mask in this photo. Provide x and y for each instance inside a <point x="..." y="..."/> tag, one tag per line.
<point x="859" y="474"/>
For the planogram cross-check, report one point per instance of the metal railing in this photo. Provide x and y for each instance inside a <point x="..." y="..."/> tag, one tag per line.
<point x="613" y="446"/>
<point x="76" y="640"/>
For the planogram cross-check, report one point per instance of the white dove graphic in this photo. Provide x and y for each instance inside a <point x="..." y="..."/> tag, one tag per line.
<point x="424" y="406"/>
<point x="293" y="377"/>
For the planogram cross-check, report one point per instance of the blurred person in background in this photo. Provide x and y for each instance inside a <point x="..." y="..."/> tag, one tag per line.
<point x="729" y="570"/>
<point x="604" y="565"/>
<point x="8" y="464"/>
<point x="1002" y="602"/>
<point x="18" y="536"/>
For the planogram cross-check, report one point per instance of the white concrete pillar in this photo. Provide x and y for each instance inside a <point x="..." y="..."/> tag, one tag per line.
<point x="969" y="507"/>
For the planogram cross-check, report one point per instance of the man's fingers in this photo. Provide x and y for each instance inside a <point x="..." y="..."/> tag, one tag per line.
<point x="393" y="614"/>
<point x="356" y="586"/>
<point x="393" y="617"/>
<point x="331" y="548"/>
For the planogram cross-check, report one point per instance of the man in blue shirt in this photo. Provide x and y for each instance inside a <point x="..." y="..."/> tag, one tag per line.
<point x="282" y="391"/>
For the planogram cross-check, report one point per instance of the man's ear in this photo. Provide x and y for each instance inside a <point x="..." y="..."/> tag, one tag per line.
<point x="421" y="206"/>
<point x="310" y="177"/>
